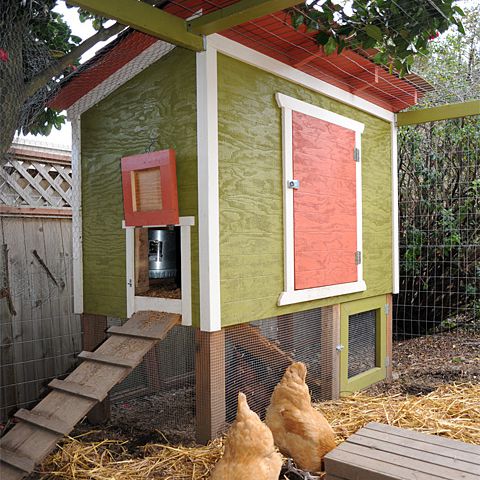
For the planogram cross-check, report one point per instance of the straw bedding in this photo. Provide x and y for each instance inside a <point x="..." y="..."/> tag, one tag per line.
<point x="451" y="410"/>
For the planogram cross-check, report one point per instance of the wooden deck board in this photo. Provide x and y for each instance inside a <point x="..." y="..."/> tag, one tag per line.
<point x="381" y="452"/>
<point x="29" y="441"/>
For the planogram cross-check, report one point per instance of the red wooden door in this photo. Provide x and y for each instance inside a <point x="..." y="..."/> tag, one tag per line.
<point x="325" y="206"/>
<point x="150" y="189"/>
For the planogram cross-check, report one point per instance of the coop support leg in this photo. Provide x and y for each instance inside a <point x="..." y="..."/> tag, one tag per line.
<point x="389" y="333"/>
<point x="94" y="328"/>
<point x="330" y="358"/>
<point x="210" y="384"/>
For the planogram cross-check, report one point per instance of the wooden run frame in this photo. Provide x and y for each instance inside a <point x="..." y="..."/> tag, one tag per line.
<point x="382" y="306"/>
<point x="444" y="112"/>
<point x="183" y="306"/>
<point x="188" y="34"/>
<point x="290" y="295"/>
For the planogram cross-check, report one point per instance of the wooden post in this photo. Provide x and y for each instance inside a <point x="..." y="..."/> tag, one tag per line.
<point x="389" y="334"/>
<point x="210" y="384"/>
<point x="142" y="282"/>
<point x="94" y="328"/>
<point x="337" y="318"/>
<point x="329" y="356"/>
<point x="285" y="332"/>
<point x="8" y="391"/>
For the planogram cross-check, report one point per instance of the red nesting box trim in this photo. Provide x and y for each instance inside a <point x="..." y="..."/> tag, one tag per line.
<point x="150" y="189"/>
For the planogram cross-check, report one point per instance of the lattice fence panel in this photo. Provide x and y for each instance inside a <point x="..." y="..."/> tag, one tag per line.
<point x="35" y="184"/>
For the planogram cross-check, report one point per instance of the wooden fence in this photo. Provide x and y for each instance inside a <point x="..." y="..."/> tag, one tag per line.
<point x="39" y="334"/>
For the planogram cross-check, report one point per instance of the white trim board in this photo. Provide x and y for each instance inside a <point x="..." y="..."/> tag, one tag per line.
<point x="149" y="56"/>
<point x="395" y="215"/>
<point x="264" y="62"/>
<point x="77" y="236"/>
<point x="136" y="303"/>
<point x="208" y="190"/>
<point x="290" y="295"/>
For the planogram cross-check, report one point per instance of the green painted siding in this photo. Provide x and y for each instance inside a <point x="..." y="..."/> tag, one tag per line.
<point x="251" y="201"/>
<point x="159" y="104"/>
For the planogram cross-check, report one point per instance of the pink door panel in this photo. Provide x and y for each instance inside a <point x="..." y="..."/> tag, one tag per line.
<point x="325" y="207"/>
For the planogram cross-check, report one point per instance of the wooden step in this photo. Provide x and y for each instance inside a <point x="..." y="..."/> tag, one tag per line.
<point x="77" y="389"/>
<point x="133" y="332"/>
<point x="16" y="460"/>
<point x="52" y="424"/>
<point x="108" y="360"/>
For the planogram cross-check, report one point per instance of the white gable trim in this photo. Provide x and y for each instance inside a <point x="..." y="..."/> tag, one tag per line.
<point x="149" y="56"/>
<point x="264" y="62"/>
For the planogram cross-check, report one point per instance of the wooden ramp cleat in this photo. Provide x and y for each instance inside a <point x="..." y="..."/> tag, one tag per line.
<point x="52" y="424"/>
<point x="108" y="360"/>
<point x="77" y="389"/>
<point x="13" y="459"/>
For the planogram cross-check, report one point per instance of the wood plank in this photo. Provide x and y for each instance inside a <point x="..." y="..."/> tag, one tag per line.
<point x="34" y="211"/>
<point x="148" y="325"/>
<point x="142" y="281"/>
<point x="92" y="380"/>
<point x="53" y="424"/>
<point x="41" y="292"/>
<point x="145" y="18"/>
<point x="73" y="338"/>
<point x="209" y="384"/>
<point x="109" y="360"/>
<point x="433" y="439"/>
<point x="408" y="453"/>
<point x="78" y="389"/>
<point x="8" y="390"/>
<point x="416" y="465"/>
<point x="20" y="462"/>
<point x="421" y="445"/>
<point x="250" y="339"/>
<point x="345" y="464"/>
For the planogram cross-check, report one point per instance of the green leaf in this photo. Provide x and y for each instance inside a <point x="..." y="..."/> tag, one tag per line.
<point x="330" y="46"/>
<point x="374" y="32"/>
<point x="322" y="38"/>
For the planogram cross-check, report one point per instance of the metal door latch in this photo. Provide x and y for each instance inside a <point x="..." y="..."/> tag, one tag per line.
<point x="295" y="184"/>
<point x="130" y="282"/>
<point x="339" y="348"/>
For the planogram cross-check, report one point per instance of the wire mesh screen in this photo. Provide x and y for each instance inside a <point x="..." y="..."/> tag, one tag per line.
<point x="257" y="354"/>
<point x="160" y="393"/>
<point x="439" y="181"/>
<point x="362" y="343"/>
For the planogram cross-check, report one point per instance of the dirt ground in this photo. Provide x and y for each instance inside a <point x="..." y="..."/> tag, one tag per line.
<point x="422" y="364"/>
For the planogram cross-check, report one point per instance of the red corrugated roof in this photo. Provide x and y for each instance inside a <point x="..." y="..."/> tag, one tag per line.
<point x="273" y="35"/>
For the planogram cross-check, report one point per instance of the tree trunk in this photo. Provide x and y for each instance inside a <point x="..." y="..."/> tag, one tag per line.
<point x="12" y="92"/>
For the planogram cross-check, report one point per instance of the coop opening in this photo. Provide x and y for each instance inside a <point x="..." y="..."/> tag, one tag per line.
<point x="158" y="262"/>
<point x="362" y="342"/>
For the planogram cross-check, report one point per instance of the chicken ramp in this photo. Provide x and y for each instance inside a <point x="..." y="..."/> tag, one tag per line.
<point x="39" y="430"/>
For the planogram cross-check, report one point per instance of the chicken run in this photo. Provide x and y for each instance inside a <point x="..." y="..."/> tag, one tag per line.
<point x="417" y="399"/>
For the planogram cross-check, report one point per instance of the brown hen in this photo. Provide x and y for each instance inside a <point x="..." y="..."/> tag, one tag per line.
<point x="249" y="449"/>
<point x="299" y="431"/>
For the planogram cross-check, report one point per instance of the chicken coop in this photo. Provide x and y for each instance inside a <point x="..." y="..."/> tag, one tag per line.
<point x="246" y="182"/>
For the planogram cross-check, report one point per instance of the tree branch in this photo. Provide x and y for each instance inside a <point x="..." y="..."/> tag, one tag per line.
<point x="39" y="80"/>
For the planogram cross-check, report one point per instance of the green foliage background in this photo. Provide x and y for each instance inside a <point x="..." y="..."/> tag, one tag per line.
<point x="439" y="181"/>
